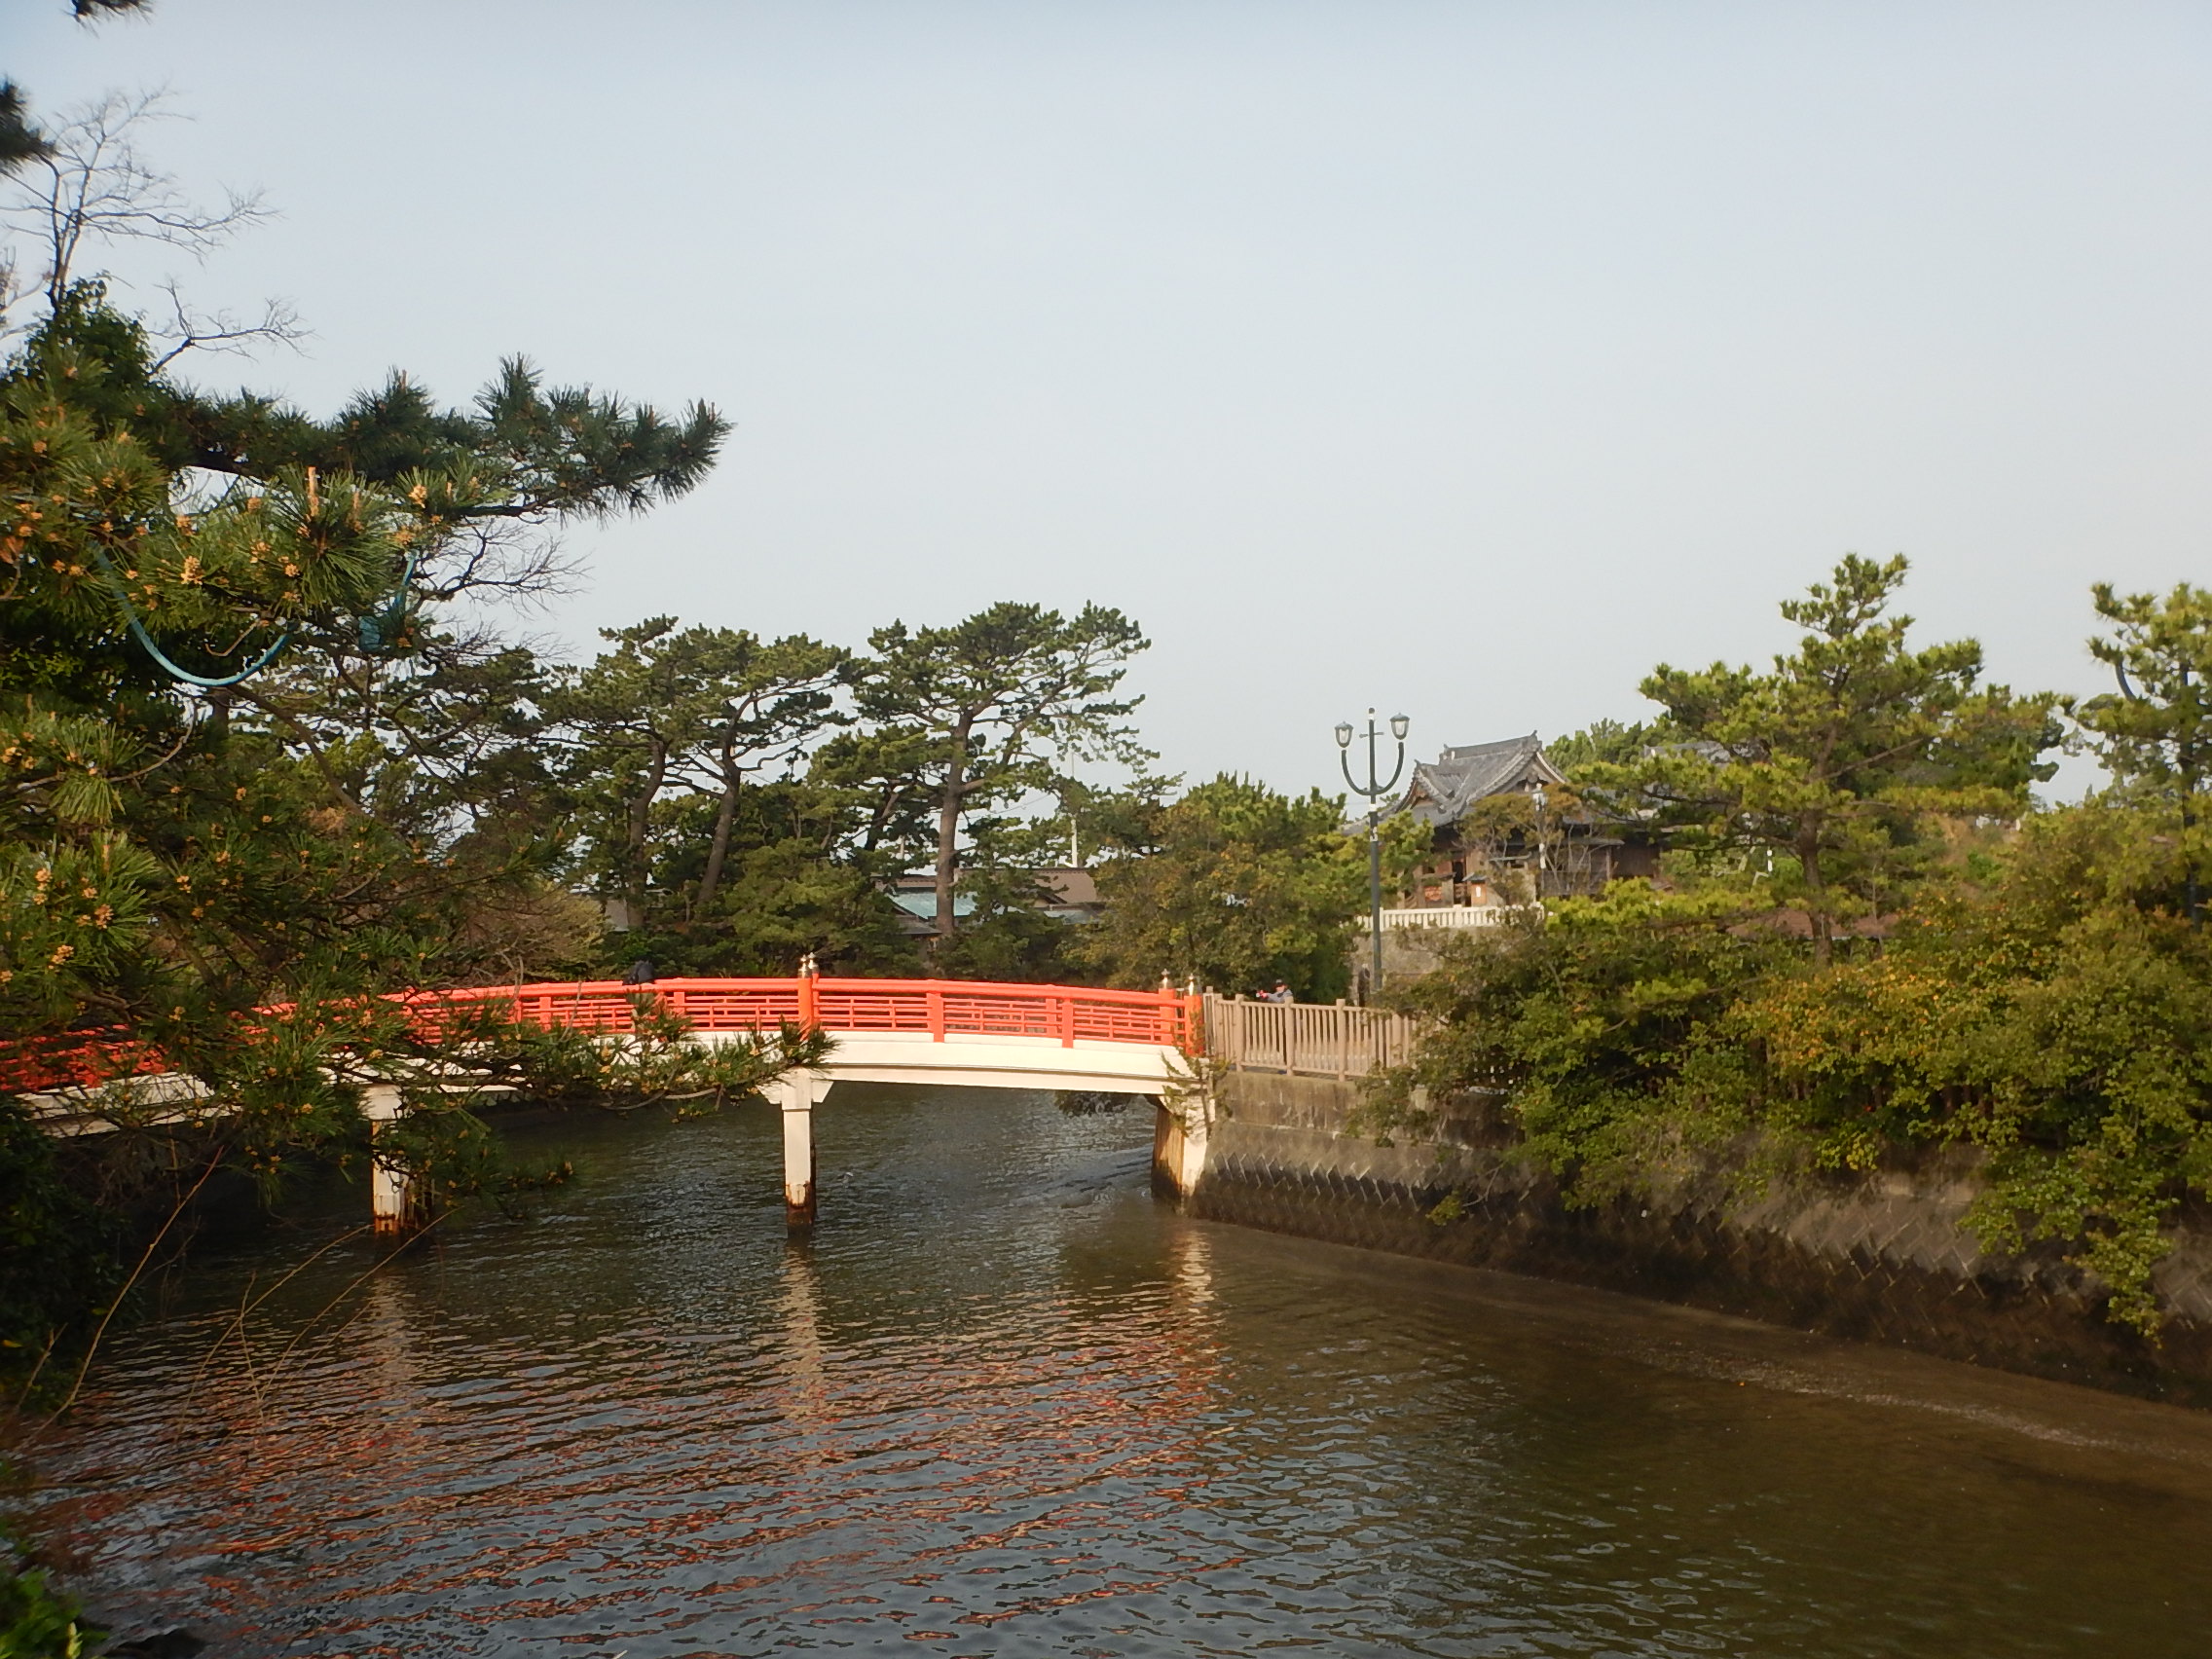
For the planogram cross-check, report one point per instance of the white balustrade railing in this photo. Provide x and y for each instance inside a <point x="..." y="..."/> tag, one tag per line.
<point x="1453" y="915"/>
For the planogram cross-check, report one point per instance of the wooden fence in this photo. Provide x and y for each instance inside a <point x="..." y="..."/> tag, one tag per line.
<point x="1307" y="1039"/>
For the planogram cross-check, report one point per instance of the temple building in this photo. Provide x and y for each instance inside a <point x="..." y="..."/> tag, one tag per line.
<point x="1508" y="825"/>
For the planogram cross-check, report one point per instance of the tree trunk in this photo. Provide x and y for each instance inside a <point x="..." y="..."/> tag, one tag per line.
<point x="725" y="816"/>
<point x="719" y="852"/>
<point x="879" y="815"/>
<point x="640" y="824"/>
<point x="1816" y="899"/>
<point x="948" y="828"/>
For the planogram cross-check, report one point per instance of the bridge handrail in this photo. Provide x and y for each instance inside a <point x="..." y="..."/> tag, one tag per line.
<point x="938" y="1007"/>
<point x="1307" y="1039"/>
<point x="70" y="1059"/>
<point x="921" y="1007"/>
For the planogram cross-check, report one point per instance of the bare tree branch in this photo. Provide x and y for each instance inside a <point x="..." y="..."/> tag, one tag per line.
<point x="94" y="183"/>
<point x="503" y="558"/>
<point x="221" y="331"/>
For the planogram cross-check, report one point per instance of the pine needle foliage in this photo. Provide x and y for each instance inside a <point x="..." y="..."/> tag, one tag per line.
<point x="1837" y="760"/>
<point x="239" y="803"/>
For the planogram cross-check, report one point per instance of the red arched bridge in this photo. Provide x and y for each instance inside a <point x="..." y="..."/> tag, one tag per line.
<point x="954" y="1032"/>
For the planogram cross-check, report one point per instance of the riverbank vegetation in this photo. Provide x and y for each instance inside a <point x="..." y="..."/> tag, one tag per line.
<point x="1869" y="938"/>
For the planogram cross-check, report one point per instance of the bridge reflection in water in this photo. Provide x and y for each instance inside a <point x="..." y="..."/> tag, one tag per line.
<point x="1000" y="1402"/>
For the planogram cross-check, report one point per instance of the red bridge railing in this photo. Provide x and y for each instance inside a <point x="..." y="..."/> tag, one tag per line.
<point x="936" y="1007"/>
<point x="70" y="1060"/>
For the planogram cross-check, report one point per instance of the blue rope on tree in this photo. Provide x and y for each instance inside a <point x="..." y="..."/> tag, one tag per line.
<point x="174" y="670"/>
<point x="380" y="631"/>
<point x="375" y="632"/>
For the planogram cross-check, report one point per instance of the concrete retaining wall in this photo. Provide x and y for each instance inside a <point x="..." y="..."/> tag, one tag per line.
<point x="1879" y="1258"/>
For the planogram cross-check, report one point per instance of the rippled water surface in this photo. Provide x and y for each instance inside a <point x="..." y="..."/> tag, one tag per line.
<point x="1004" y="1402"/>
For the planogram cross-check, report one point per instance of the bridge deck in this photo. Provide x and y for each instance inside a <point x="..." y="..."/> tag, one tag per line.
<point x="939" y="1030"/>
<point x="947" y="1032"/>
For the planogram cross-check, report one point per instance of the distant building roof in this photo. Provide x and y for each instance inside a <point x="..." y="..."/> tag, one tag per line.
<point x="1444" y="789"/>
<point x="1072" y="885"/>
<point x="1074" y="896"/>
<point x="923" y="904"/>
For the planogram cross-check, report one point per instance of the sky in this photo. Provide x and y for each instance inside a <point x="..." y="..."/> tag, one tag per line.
<point x="1464" y="360"/>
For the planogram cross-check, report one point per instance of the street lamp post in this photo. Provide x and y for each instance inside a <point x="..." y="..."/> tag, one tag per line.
<point x="1375" y="789"/>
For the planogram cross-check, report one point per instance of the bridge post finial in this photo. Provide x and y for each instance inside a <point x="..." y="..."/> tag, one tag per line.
<point x="809" y="1015"/>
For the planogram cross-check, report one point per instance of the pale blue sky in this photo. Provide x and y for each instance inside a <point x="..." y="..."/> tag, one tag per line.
<point x="1465" y="358"/>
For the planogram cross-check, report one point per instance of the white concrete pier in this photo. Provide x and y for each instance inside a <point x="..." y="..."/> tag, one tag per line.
<point x="395" y="1206"/>
<point x="796" y="1095"/>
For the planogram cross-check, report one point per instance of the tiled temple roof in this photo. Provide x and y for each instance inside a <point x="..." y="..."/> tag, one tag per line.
<point x="1444" y="789"/>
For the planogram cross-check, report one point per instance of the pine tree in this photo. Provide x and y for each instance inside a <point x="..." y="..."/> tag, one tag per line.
<point x="242" y="785"/>
<point x="1835" y="759"/>
<point x="997" y="704"/>
<point x="2156" y="735"/>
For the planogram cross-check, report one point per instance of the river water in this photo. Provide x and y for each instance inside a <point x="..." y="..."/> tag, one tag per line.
<point x="1007" y="1403"/>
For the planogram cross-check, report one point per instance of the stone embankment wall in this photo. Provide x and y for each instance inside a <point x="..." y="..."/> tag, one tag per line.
<point x="1881" y="1258"/>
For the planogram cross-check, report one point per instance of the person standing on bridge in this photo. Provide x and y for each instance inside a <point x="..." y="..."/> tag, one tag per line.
<point x="640" y="971"/>
<point x="1282" y="993"/>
